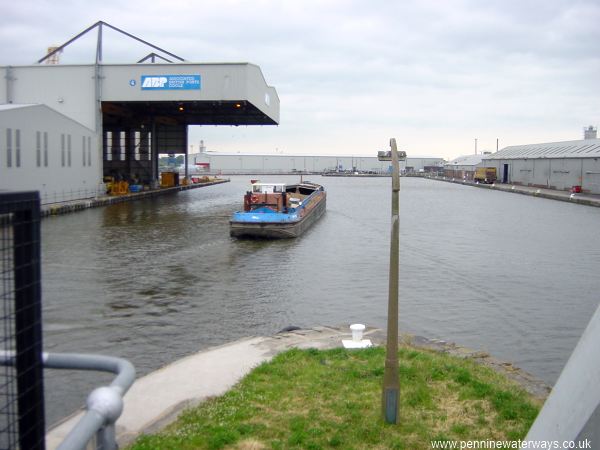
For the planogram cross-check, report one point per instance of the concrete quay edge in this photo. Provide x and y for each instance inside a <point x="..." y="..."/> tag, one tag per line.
<point x="156" y="399"/>
<point x="54" y="209"/>
<point x="552" y="194"/>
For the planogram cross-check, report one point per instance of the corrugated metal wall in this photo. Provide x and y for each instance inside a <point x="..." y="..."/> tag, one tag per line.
<point x="591" y="175"/>
<point x="553" y="173"/>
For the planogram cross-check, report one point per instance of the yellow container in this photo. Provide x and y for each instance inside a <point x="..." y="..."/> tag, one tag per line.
<point x="119" y="188"/>
<point x="167" y="179"/>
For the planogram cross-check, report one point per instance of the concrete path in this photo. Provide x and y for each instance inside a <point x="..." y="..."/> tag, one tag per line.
<point x="156" y="399"/>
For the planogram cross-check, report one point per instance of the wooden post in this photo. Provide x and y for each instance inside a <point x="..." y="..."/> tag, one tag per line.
<point x="391" y="383"/>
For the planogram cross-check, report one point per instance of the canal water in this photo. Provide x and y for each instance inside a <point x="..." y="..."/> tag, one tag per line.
<point x="155" y="280"/>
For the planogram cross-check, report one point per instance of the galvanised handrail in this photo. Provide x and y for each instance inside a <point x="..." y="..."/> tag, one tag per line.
<point x="104" y="404"/>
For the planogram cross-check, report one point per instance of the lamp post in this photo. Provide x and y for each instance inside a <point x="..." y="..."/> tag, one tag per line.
<point x="391" y="383"/>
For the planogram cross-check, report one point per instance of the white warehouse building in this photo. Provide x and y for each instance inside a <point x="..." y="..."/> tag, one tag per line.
<point x="49" y="152"/>
<point x="232" y="163"/>
<point x="555" y="165"/>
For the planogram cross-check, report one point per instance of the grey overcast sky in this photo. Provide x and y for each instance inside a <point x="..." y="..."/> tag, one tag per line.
<point x="436" y="75"/>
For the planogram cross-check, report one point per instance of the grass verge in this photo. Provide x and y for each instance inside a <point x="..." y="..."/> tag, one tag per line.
<point x="311" y="399"/>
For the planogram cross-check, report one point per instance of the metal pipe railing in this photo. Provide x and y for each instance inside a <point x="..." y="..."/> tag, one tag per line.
<point x="122" y="368"/>
<point x="104" y="404"/>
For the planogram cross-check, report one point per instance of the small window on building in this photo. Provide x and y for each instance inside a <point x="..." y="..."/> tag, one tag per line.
<point x="9" y="147"/>
<point x="136" y="145"/>
<point x="69" y="150"/>
<point x="18" y="148"/>
<point x="122" y="146"/>
<point x="45" y="149"/>
<point x="62" y="150"/>
<point x="108" y="145"/>
<point x="38" y="148"/>
<point x="149" y="147"/>
<point x="83" y="153"/>
<point x="89" y="151"/>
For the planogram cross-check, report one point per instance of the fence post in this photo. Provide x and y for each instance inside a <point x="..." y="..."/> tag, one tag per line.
<point x="20" y="213"/>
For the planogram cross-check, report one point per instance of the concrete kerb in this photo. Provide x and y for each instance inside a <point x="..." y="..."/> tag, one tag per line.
<point x="156" y="399"/>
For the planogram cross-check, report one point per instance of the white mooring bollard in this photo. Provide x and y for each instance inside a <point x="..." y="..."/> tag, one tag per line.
<point x="357" y="331"/>
<point x="357" y="337"/>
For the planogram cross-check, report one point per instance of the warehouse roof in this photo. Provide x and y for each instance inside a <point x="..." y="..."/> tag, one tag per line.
<point x="15" y="108"/>
<point x="467" y="160"/>
<point x="11" y="106"/>
<point x="167" y="93"/>
<point x="587" y="148"/>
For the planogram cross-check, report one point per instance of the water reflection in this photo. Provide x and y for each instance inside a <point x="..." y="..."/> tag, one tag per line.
<point x="158" y="279"/>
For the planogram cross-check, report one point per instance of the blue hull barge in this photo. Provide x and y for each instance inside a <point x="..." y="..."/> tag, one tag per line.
<point x="276" y="211"/>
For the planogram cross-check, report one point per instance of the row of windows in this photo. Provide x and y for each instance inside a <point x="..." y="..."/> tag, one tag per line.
<point x="118" y="142"/>
<point x="13" y="149"/>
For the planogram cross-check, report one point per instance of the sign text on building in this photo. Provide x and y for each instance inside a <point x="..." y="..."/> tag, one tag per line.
<point x="170" y="82"/>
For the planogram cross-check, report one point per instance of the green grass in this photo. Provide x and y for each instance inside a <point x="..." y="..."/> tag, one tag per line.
<point x="309" y="399"/>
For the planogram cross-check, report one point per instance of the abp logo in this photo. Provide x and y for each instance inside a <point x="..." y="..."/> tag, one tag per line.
<point x="170" y="82"/>
<point x="154" y="82"/>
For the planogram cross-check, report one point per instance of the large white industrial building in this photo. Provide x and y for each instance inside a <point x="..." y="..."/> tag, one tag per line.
<point x="47" y="151"/>
<point x="232" y="163"/>
<point x="131" y="113"/>
<point x="554" y="165"/>
<point x="568" y="165"/>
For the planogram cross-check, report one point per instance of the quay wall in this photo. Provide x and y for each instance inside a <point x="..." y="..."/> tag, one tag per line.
<point x="565" y="196"/>
<point x="78" y="205"/>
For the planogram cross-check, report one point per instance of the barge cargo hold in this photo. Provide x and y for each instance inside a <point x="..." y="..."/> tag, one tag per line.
<point x="276" y="211"/>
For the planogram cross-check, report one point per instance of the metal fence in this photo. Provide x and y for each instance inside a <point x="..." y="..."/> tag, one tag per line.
<point x="72" y="194"/>
<point x="21" y="359"/>
<point x="21" y="384"/>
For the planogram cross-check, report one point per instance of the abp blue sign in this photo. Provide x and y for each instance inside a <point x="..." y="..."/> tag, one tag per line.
<point x="170" y="82"/>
